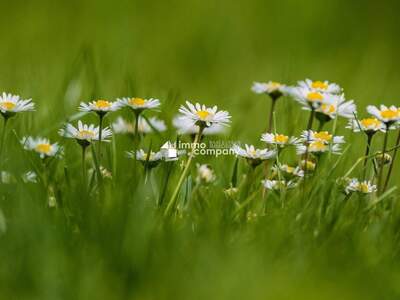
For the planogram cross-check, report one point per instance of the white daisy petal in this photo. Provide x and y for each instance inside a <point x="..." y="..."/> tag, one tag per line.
<point x="12" y="104"/>
<point x="42" y="146"/>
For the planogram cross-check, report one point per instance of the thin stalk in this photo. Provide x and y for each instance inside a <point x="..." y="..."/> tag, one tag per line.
<point x="382" y="161"/>
<point x="278" y="164"/>
<point x="164" y="189"/>
<point x="2" y="140"/>
<point x="96" y="165"/>
<point x="271" y="114"/>
<point x="246" y="189"/>
<point x="84" y="174"/>
<point x="183" y="175"/>
<point x="321" y="125"/>
<point x="334" y="126"/>
<point x="392" y="163"/>
<point x="100" y="136"/>
<point x="367" y="150"/>
<point x="135" y="143"/>
<point x="309" y="127"/>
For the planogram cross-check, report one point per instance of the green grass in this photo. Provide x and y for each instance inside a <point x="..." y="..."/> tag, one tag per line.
<point x="119" y="246"/>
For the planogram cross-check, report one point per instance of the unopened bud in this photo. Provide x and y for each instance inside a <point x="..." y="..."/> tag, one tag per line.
<point x="310" y="165"/>
<point x="231" y="192"/>
<point x="383" y="159"/>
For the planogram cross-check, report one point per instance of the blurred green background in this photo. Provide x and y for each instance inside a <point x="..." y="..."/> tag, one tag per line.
<point x="63" y="52"/>
<point x="206" y="50"/>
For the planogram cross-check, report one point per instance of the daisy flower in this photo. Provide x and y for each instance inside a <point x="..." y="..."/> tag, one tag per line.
<point x="85" y="134"/>
<point x="276" y="185"/>
<point x="367" y="125"/>
<point x="254" y="156"/>
<point x="205" y="174"/>
<point x="144" y="156"/>
<point x="280" y="140"/>
<point x="149" y="160"/>
<point x="318" y="147"/>
<point x="271" y="88"/>
<point x="30" y="176"/>
<point x="388" y="115"/>
<point x="203" y="116"/>
<point x="321" y="136"/>
<point x="184" y="125"/>
<point x="335" y="105"/>
<point x="101" y="107"/>
<point x="288" y="170"/>
<point x="138" y="104"/>
<point x="40" y="145"/>
<point x="362" y="187"/>
<point x="12" y="104"/>
<point x="320" y="86"/>
<point x="121" y="126"/>
<point x="308" y="98"/>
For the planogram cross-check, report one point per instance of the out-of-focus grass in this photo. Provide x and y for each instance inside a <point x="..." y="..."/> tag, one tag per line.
<point x="60" y="53"/>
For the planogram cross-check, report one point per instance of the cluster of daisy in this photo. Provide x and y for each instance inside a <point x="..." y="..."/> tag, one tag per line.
<point x="325" y="101"/>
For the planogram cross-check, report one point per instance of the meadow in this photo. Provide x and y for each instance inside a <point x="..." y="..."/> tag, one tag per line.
<point x="131" y="229"/>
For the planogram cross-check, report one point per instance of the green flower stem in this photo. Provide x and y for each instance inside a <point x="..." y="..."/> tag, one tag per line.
<point x="246" y="189"/>
<point x="2" y="145"/>
<point x="309" y="127"/>
<point x="101" y="116"/>
<point x="367" y="150"/>
<point x="97" y="166"/>
<point x="172" y="201"/>
<point x="385" y="141"/>
<point x="271" y="114"/>
<point x="84" y="174"/>
<point x="392" y="163"/>
<point x="321" y="125"/>
<point x="135" y="143"/>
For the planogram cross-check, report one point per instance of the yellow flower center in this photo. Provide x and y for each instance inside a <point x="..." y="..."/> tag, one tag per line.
<point x="43" y="148"/>
<point x="280" y="138"/>
<point x="319" y="85"/>
<point x="86" y="134"/>
<point x="275" y="85"/>
<point x="7" y="105"/>
<point x="203" y="114"/>
<point x="289" y="169"/>
<point x="317" y="146"/>
<point x="363" y="187"/>
<point x="309" y="164"/>
<point x="370" y="122"/>
<point x="323" y="135"/>
<point x="253" y="152"/>
<point x="102" y="104"/>
<point x="389" y="114"/>
<point x="137" y="101"/>
<point x="328" y="108"/>
<point x="314" y="96"/>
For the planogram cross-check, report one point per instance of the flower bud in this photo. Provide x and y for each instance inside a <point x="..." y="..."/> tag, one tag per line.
<point x="310" y="165"/>
<point x="383" y="159"/>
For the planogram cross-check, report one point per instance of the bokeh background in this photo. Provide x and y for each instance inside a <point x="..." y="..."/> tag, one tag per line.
<point x="204" y="50"/>
<point x="62" y="52"/>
